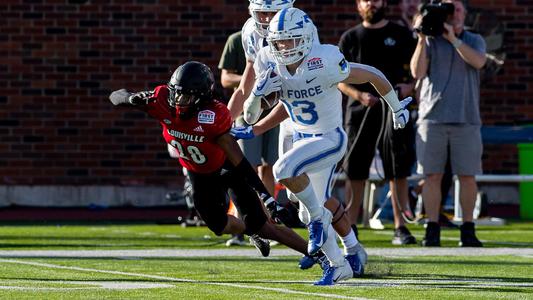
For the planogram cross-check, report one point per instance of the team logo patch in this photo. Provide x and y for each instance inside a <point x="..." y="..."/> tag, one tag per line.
<point x="389" y="42"/>
<point x="206" y="117"/>
<point x="315" y="63"/>
<point x="343" y="66"/>
<point x="167" y="121"/>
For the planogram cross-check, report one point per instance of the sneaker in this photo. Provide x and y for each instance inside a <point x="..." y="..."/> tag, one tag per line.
<point x="432" y="238"/>
<point x="318" y="232"/>
<point x="358" y="268"/>
<point x="236" y="240"/>
<point x="332" y="275"/>
<point x="261" y="244"/>
<point x="306" y="262"/>
<point x="468" y="236"/>
<point x="402" y="236"/>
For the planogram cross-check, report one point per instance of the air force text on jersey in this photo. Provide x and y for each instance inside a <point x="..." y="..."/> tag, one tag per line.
<point x="302" y="93"/>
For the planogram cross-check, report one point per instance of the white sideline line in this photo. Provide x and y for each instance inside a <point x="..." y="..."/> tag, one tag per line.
<point x="181" y="280"/>
<point x="112" y="285"/>
<point x="250" y="252"/>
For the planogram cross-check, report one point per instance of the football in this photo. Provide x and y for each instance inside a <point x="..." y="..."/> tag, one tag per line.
<point x="270" y="100"/>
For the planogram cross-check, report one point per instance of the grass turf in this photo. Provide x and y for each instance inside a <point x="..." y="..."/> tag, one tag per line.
<point x="428" y="277"/>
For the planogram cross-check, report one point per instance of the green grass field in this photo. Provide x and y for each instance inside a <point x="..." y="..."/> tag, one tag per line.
<point x="171" y="262"/>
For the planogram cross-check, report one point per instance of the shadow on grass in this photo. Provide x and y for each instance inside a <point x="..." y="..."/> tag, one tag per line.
<point x="476" y="262"/>
<point x="278" y="259"/>
<point x="360" y="283"/>
<point x="95" y="246"/>
<point x="446" y="277"/>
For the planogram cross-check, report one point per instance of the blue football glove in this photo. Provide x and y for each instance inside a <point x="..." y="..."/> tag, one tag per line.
<point x="242" y="132"/>
<point x="266" y="83"/>
<point x="401" y="117"/>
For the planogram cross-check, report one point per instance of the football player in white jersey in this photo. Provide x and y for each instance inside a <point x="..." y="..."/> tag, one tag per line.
<point x="254" y="33"/>
<point x="306" y="75"/>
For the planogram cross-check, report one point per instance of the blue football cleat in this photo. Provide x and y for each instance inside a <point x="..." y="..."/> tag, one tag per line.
<point x="306" y="262"/>
<point x="318" y="232"/>
<point x="332" y="275"/>
<point x="358" y="268"/>
<point x="317" y="237"/>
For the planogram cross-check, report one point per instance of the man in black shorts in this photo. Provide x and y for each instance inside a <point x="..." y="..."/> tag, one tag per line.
<point x="197" y="126"/>
<point x="388" y="47"/>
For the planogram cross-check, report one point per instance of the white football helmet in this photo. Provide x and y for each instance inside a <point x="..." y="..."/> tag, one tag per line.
<point x="290" y="24"/>
<point x="266" y="6"/>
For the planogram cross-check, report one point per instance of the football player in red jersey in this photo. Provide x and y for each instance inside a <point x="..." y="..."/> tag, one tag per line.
<point x="198" y="126"/>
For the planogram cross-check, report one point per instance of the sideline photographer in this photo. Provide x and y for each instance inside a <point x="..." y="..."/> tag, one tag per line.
<point x="449" y="117"/>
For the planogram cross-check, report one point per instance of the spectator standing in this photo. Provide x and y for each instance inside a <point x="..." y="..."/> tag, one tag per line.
<point x="232" y="62"/>
<point x="388" y="47"/>
<point x="449" y="118"/>
<point x="408" y="10"/>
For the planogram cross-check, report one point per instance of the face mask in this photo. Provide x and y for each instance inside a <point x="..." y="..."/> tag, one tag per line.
<point x="186" y="105"/>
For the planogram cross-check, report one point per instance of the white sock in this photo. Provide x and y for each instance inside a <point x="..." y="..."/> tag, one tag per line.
<point x="349" y="242"/>
<point x="309" y="199"/>
<point x="331" y="249"/>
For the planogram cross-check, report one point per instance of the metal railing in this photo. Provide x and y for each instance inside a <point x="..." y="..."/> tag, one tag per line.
<point x="370" y="189"/>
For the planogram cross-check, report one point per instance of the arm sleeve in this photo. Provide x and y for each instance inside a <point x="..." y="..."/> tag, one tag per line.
<point x="245" y="170"/>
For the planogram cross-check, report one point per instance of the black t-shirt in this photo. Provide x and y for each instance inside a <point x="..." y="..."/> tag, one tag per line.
<point x="388" y="49"/>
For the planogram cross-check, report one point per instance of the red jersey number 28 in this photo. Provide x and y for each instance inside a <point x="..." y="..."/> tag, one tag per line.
<point x="193" y="153"/>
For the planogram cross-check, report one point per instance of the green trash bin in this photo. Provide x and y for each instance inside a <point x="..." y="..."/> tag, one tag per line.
<point x="525" y="158"/>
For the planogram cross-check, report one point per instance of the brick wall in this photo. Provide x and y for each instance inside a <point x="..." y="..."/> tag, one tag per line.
<point x="60" y="59"/>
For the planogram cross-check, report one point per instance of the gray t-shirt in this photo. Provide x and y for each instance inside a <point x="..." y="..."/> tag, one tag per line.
<point x="450" y="91"/>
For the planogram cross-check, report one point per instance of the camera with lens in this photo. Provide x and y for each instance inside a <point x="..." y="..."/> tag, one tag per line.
<point x="434" y="14"/>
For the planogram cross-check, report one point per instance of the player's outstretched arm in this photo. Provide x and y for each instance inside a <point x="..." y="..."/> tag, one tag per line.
<point x="360" y="73"/>
<point x="242" y="92"/>
<point x="122" y="96"/>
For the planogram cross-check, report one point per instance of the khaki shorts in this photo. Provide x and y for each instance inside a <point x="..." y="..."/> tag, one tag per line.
<point x="261" y="150"/>
<point x="462" y="142"/>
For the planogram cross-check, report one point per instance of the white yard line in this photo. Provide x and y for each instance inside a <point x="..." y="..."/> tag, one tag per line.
<point x="181" y="280"/>
<point x="250" y="252"/>
<point x="111" y="285"/>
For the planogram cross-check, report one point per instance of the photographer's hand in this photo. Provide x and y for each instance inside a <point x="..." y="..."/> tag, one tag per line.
<point x="449" y="33"/>
<point x="416" y="25"/>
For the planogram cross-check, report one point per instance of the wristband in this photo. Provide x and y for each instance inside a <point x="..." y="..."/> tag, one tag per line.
<point x="392" y="100"/>
<point x="457" y="43"/>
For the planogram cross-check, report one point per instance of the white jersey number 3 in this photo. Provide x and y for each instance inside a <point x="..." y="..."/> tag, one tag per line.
<point x="307" y="115"/>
